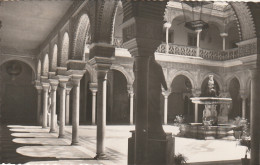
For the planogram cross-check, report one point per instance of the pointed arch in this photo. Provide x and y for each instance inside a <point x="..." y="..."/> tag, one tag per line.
<point x="184" y="73"/>
<point x="228" y="81"/>
<point x="81" y="36"/>
<point x="124" y="72"/>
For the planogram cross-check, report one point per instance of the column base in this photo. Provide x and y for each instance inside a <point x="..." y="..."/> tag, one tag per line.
<point x="159" y="151"/>
<point x="52" y="131"/>
<point x="101" y="156"/>
<point x="75" y="143"/>
<point x="61" y="136"/>
<point x="44" y="127"/>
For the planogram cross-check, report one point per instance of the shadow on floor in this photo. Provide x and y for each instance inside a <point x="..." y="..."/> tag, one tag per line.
<point x="8" y="149"/>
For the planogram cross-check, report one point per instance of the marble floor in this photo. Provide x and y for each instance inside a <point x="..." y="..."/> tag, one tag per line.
<point x="34" y="145"/>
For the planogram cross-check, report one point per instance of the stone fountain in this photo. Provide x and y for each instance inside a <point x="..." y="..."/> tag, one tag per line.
<point x="209" y="126"/>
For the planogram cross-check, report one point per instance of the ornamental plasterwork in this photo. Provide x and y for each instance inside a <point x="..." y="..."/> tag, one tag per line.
<point x="246" y="24"/>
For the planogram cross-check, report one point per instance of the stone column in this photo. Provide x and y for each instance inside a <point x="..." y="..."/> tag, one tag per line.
<point x="196" y="93"/>
<point x="142" y="42"/>
<point x="102" y="65"/>
<point x="131" y="95"/>
<point x="243" y="96"/>
<point x="62" y="90"/>
<point x="75" y="79"/>
<point x="224" y="35"/>
<point x="198" y="41"/>
<point x="101" y="113"/>
<point x="167" y="25"/>
<point x="165" y="109"/>
<point x="39" y="103"/>
<point x="255" y="117"/>
<point x="94" y="92"/>
<point x="54" y="84"/>
<point x="67" y="114"/>
<point x="45" y="87"/>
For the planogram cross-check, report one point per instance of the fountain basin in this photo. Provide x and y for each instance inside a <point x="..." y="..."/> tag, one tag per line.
<point x="211" y="100"/>
<point x="200" y="131"/>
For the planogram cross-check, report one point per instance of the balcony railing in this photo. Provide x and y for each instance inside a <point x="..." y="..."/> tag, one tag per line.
<point x="216" y="55"/>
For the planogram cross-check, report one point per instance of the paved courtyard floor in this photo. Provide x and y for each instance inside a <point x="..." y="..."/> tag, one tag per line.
<point x="34" y="145"/>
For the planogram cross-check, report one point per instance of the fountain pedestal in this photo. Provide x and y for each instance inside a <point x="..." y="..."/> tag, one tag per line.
<point x="211" y="127"/>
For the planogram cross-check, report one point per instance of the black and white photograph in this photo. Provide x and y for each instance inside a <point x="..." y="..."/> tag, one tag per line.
<point x="130" y="82"/>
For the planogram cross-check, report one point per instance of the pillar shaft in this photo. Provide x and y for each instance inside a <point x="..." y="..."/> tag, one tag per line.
<point x="198" y="41"/>
<point x="165" y="109"/>
<point x="196" y="113"/>
<point x="45" y="105"/>
<point x="67" y="114"/>
<point x="62" y="109"/>
<point x="141" y="115"/>
<point x="131" y="108"/>
<point x="244" y="108"/>
<point x="39" y="105"/>
<point x="75" y="109"/>
<point x="53" y="109"/>
<point x="94" y="107"/>
<point x="255" y="117"/>
<point x="224" y="43"/>
<point x="167" y="25"/>
<point x="224" y="35"/>
<point x="101" y="113"/>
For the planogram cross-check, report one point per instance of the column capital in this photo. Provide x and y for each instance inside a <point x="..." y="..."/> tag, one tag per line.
<point x="166" y="93"/>
<point x="68" y="87"/>
<point x="130" y="88"/>
<point x="101" y="63"/>
<point x="45" y="86"/>
<point x="198" y="30"/>
<point x="38" y="85"/>
<point x="54" y="84"/>
<point x="93" y="87"/>
<point x="75" y="79"/>
<point x="130" y="92"/>
<point x="167" y="25"/>
<point x="243" y="93"/>
<point x="223" y="34"/>
<point x="196" y="92"/>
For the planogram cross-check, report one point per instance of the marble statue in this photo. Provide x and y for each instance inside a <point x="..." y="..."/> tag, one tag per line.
<point x="211" y="87"/>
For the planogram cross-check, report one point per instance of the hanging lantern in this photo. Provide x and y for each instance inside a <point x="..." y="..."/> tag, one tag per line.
<point x="14" y="69"/>
<point x="197" y="14"/>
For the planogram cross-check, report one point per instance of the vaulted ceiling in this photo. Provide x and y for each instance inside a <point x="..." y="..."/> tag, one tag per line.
<point x="26" y="24"/>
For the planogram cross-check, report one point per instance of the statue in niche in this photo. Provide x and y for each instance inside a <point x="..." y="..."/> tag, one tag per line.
<point x="211" y="87"/>
<point x="210" y="112"/>
<point x="156" y="82"/>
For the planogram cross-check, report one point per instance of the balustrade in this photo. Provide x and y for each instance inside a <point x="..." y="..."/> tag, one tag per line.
<point x="216" y="55"/>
